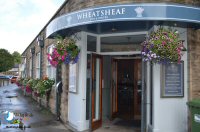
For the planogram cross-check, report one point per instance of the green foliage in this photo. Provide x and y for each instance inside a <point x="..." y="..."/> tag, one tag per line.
<point x="48" y="83"/>
<point x="20" y="81"/>
<point x="44" y="85"/>
<point x="40" y="87"/>
<point x="6" y="60"/>
<point x="163" y="46"/>
<point x="65" y="51"/>
<point x="25" y="81"/>
<point x="17" y="57"/>
<point x="30" y="83"/>
<point x="60" y="45"/>
<point x="34" y="83"/>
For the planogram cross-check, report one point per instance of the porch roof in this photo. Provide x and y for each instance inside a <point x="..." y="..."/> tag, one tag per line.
<point x="125" y="17"/>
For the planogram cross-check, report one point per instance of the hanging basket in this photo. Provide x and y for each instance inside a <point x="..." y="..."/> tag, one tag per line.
<point x="66" y="51"/>
<point x="163" y="46"/>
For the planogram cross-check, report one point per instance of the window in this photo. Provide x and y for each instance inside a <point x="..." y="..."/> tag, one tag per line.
<point x="30" y="67"/>
<point x="91" y="43"/>
<point x="24" y="60"/>
<point x="122" y="43"/>
<point x="23" y="68"/>
<point x="51" y="71"/>
<point x="38" y="65"/>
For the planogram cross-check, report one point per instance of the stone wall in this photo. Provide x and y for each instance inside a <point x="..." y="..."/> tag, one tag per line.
<point x="28" y="54"/>
<point x="194" y="63"/>
<point x="64" y="96"/>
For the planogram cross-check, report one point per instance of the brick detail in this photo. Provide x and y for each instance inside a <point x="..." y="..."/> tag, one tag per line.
<point x="194" y="63"/>
<point x="64" y="96"/>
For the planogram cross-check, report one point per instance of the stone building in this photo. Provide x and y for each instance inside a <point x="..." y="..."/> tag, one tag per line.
<point x="112" y="83"/>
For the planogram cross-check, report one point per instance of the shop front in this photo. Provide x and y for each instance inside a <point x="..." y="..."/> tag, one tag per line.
<point x="112" y="84"/>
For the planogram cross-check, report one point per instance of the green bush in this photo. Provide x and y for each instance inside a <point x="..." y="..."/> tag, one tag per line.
<point x="20" y="81"/>
<point x="42" y="86"/>
<point x="34" y="84"/>
<point x="25" y="81"/>
<point x="48" y="83"/>
<point x="30" y="83"/>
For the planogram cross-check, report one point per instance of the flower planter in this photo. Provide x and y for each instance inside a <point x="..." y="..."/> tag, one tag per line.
<point x="33" y="96"/>
<point x="163" y="46"/>
<point x="29" y="94"/>
<point x="28" y="91"/>
<point x="44" y="101"/>
<point x="38" y="89"/>
<point x="39" y="100"/>
<point x="66" y="51"/>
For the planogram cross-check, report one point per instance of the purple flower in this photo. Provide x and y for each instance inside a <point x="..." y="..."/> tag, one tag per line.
<point x="76" y="59"/>
<point x="152" y="45"/>
<point x="67" y="59"/>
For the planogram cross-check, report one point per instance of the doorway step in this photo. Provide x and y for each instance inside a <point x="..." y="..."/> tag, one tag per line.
<point x="119" y="125"/>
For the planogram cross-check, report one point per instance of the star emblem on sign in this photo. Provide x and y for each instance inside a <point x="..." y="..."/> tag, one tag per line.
<point x="139" y="11"/>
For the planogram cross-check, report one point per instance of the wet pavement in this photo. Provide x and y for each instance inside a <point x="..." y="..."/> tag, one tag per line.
<point x="40" y="119"/>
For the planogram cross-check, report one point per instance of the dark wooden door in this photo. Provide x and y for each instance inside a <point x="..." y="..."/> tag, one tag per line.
<point x="137" y="89"/>
<point x="114" y="92"/>
<point x="125" y="82"/>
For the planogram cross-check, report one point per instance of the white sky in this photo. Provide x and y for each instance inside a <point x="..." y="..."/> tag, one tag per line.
<point x="22" y="20"/>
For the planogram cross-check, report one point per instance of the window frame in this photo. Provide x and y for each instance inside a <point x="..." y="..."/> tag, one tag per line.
<point x="49" y="67"/>
<point x="38" y="62"/>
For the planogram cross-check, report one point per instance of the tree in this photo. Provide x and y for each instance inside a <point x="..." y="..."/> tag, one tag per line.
<point x="6" y="60"/>
<point x="17" y="57"/>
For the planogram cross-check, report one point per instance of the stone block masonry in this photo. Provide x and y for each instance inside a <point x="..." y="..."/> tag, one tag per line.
<point x="194" y="63"/>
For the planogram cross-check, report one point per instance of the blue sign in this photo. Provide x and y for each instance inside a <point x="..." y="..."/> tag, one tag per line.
<point x="129" y="12"/>
<point x="172" y="80"/>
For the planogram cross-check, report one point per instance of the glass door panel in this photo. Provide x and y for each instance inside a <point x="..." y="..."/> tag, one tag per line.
<point x="96" y="91"/>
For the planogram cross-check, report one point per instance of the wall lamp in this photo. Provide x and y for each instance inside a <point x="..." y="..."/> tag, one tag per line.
<point x="32" y="50"/>
<point x="40" y="41"/>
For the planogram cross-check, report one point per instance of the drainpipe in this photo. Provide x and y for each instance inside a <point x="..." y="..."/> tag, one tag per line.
<point x="90" y="100"/>
<point x="58" y="99"/>
<point x="40" y="41"/>
<point x="33" y="52"/>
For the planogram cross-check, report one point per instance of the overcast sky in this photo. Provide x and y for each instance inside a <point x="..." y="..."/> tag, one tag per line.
<point x="22" y="20"/>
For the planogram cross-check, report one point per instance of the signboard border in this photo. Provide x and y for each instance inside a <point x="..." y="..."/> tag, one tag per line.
<point x="162" y="76"/>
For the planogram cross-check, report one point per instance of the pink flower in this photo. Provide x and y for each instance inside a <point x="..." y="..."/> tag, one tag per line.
<point x="63" y="58"/>
<point x="163" y="42"/>
<point x="28" y="89"/>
